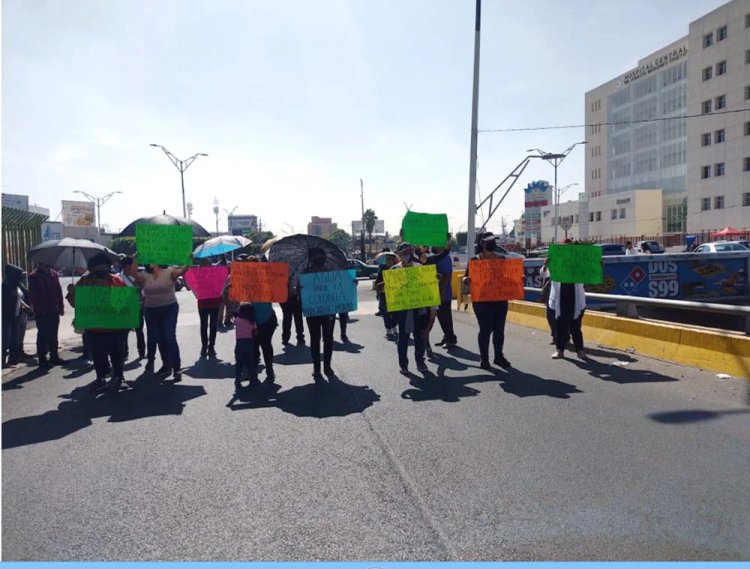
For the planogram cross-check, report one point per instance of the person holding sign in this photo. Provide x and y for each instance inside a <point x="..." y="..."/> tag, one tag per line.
<point x="568" y="300"/>
<point x="208" y="310"/>
<point x="320" y="327"/>
<point x="106" y="345"/>
<point x="441" y="258"/>
<point x="490" y="314"/>
<point x="161" y="312"/>
<point x="139" y="337"/>
<point x="411" y="322"/>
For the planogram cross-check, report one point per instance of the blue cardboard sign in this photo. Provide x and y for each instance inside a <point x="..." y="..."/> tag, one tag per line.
<point x="329" y="292"/>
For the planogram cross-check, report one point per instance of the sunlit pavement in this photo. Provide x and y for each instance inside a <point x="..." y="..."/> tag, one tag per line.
<point x="621" y="457"/>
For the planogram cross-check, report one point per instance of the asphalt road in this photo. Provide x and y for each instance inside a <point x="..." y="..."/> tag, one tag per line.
<point x="553" y="460"/>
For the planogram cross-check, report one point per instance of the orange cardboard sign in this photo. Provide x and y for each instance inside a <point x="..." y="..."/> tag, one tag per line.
<point x="259" y="282"/>
<point x="496" y="279"/>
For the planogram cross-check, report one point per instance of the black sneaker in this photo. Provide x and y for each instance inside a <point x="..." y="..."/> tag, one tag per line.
<point x="212" y="353"/>
<point x="97" y="386"/>
<point x="204" y="352"/>
<point x="441" y="343"/>
<point x="485" y="365"/>
<point x="502" y="362"/>
<point x="177" y="376"/>
<point x="150" y="366"/>
<point x="344" y="339"/>
<point x="44" y="364"/>
<point x="118" y="383"/>
<point x="317" y="376"/>
<point x="422" y="368"/>
<point x="328" y="370"/>
<point x="254" y="382"/>
<point x="56" y="361"/>
<point x="164" y="371"/>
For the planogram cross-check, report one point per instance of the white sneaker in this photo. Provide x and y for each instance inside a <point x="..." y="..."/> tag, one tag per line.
<point x="557" y="355"/>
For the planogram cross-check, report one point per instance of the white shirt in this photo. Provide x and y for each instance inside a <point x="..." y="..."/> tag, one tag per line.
<point x="631" y="251"/>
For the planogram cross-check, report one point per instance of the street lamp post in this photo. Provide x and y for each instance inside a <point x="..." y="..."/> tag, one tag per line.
<point x="98" y="201"/>
<point x="229" y="217"/>
<point x="181" y="165"/>
<point x="216" y="213"/>
<point x="555" y="160"/>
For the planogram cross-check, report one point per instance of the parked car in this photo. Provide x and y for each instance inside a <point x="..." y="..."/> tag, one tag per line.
<point x="538" y="252"/>
<point x="611" y="249"/>
<point x="654" y="247"/>
<point x="363" y="269"/>
<point x="720" y="246"/>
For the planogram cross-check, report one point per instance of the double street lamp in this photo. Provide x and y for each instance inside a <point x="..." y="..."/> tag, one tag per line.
<point x="98" y="201"/>
<point x="181" y="165"/>
<point x="555" y="160"/>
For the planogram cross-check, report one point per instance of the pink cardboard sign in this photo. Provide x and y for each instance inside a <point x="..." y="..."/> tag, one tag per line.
<point x="207" y="282"/>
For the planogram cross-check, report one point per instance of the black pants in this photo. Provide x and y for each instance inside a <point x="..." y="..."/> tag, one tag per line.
<point x="46" y="337"/>
<point x="321" y="327"/>
<point x="106" y="347"/>
<point x="292" y="310"/>
<point x="344" y="320"/>
<point x="209" y="323"/>
<point x="567" y="327"/>
<point x="245" y="351"/>
<point x="551" y="322"/>
<point x="491" y="318"/>
<point x="445" y="318"/>
<point x="140" y="340"/>
<point x="265" y="342"/>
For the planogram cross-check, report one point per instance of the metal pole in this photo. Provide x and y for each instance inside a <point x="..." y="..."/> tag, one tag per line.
<point x="557" y="200"/>
<point x="182" y="181"/>
<point x="362" y="196"/>
<point x="98" y="219"/>
<point x="470" y="230"/>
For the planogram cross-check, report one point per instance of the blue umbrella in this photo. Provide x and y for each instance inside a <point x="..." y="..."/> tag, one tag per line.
<point x="220" y="245"/>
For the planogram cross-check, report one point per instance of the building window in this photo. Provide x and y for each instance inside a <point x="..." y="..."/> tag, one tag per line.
<point x="746" y="164"/>
<point x="622" y="213"/>
<point x="705" y="172"/>
<point x="706" y="139"/>
<point x="746" y="199"/>
<point x="598" y="216"/>
<point x="747" y="93"/>
<point x="707" y="104"/>
<point x="747" y="56"/>
<point x="721" y="102"/>
<point x="747" y="128"/>
<point x="591" y="216"/>
<point x="719" y="202"/>
<point x="708" y="72"/>
<point x="747" y="20"/>
<point x="576" y="221"/>
<point x="705" y="204"/>
<point x="721" y="67"/>
<point x="708" y="40"/>
<point x="719" y="136"/>
<point x="613" y="215"/>
<point x="719" y="169"/>
<point x="721" y="33"/>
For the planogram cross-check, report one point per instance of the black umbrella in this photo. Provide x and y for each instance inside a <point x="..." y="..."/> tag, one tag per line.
<point x="164" y="219"/>
<point x="295" y="250"/>
<point x="68" y="252"/>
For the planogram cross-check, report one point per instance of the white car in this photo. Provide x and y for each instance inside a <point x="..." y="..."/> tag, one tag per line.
<point x="720" y="246"/>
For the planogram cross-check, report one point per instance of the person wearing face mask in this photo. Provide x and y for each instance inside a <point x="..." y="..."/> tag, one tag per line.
<point x="490" y="315"/>
<point x="106" y="345"/>
<point x="320" y="327"/>
<point x="161" y="311"/>
<point x="441" y="258"/>
<point x="412" y="322"/>
<point x="47" y="301"/>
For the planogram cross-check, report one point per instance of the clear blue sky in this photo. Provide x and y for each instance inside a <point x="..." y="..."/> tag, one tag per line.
<point x="295" y="101"/>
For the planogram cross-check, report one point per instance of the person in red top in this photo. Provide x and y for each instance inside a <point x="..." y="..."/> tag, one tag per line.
<point x="106" y="345"/>
<point x="46" y="297"/>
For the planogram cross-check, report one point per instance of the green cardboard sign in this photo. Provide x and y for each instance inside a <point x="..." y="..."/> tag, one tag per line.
<point x="430" y="229"/>
<point x="573" y="263"/>
<point x="164" y="244"/>
<point x="107" y="307"/>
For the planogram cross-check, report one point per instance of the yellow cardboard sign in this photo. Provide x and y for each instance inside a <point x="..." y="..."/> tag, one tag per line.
<point x="411" y="287"/>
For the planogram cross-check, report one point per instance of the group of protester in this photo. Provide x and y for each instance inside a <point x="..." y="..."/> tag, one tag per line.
<point x="255" y="322"/>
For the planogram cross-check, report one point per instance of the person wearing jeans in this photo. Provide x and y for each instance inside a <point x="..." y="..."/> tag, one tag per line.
<point x="161" y="311"/>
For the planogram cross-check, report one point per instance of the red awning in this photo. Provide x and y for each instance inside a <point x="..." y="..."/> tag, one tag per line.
<point x="729" y="231"/>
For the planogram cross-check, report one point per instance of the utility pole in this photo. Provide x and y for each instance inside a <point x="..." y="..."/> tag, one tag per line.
<point x="474" y="132"/>
<point x="362" y="196"/>
<point x="216" y="213"/>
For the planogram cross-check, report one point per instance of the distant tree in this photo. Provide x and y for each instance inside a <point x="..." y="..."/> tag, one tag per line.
<point x="370" y="218"/>
<point x="461" y="238"/>
<point x="257" y="238"/>
<point x="342" y="240"/>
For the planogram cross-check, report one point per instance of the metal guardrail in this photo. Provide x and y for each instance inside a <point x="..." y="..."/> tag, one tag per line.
<point x="623" y="302"/>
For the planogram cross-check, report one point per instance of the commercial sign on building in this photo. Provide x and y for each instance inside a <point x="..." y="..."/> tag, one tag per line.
<point x="16" y="200"/>
<point x="78" y="214"/>
<point x="378" y="229"/>
<point x="537" y="197"/>
<point x="239" y="224"/>
<point x="52" y="230"/>
<point x="655" y="65"/>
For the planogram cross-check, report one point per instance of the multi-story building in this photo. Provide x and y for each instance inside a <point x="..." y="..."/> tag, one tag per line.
<point x="718" y="152"/>
<point x="241" y="224"/>
<point x="321" y="226"/>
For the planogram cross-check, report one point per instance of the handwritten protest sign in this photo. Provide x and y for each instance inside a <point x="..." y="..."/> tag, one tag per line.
<point x="207" y="282"/>
<point x="259" y="282"/>
<point x="575" y="264"/>
<point x="105" y="307"/>
<point x="164" y="244"/>
<point x="329" y="292"/>
<point x="411" y="287"/>
<point x="429" y="229"/>
<point x="496" y="279"/>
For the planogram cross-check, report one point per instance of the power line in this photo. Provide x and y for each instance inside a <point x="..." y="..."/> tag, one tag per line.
<point x="613" y="123"/>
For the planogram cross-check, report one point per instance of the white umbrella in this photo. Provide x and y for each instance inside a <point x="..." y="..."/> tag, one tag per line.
<point x="220" y="245"/>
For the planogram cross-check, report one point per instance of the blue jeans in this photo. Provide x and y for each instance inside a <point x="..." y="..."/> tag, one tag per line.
<point x="491" y="319"/>
<point x="420" y="322"/>
<point x="162" y="331"/>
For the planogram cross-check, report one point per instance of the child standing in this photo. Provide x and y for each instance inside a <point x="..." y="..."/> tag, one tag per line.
<point x="245" y="349"/>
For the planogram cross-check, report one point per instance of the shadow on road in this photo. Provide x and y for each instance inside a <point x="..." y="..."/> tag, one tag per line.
<point x="30" y="375"/>
<point x="147" y="396"/>
<point x="351" y="347"/>
<point x="449" y="390"/>
<point x="522" y="384"/>
<point x="463" y="354"/>
<point x="293" y="355"/>
<point x="328" y="399"/>
<point x="692" y="415"/>
<point x="210" y="369"/>
<point x="623" y="375"/>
